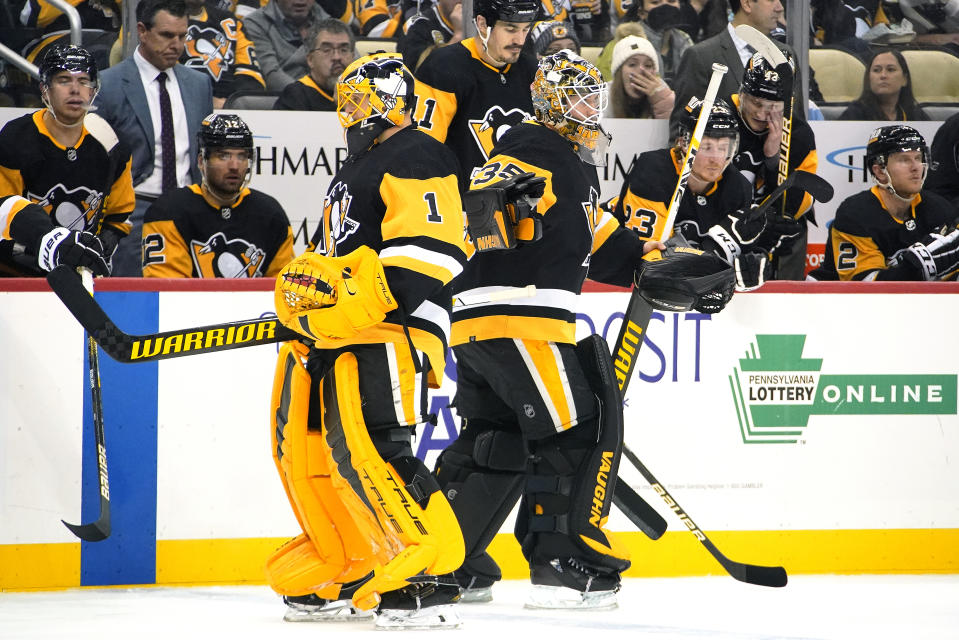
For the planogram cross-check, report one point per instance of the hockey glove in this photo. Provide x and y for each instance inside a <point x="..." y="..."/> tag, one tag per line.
<point x="523" y="192"/>
<point x="746" y="226"/>
<point x="110" y="238"/>
<point x="332" y="299"/>
<point x="73" y="249"/>
<point x="936" y="256"/>
<point x="752" y="270"/>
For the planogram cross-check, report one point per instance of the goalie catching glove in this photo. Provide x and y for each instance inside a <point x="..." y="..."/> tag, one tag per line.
<point x="503" y="214"/>
<point x="936" y="256"/>
<point x="331" y="299"/>
<point x="682" y="278"/>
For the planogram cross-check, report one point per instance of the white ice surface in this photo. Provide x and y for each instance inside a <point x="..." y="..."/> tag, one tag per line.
<point x="820" y="607"/>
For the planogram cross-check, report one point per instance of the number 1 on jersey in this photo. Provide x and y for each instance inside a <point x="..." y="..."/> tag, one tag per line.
<point x="434" y="214"/>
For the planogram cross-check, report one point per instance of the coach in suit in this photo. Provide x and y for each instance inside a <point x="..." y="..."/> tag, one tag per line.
<point x="696" y="65"/>
<point x="156" y="106"/>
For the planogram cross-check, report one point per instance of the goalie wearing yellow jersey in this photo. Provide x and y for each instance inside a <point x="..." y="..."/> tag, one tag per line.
<point x="372" y="301"/>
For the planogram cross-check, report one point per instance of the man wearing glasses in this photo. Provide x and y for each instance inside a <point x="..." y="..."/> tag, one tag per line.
<point x="333" y="48"/>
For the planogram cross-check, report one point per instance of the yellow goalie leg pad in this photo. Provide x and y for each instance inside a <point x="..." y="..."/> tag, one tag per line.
<point x="422" y="523"/>
<point x="331" y="551"/>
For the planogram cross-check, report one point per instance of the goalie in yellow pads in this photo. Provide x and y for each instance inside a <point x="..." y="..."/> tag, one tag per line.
<point x="372" y="301"/>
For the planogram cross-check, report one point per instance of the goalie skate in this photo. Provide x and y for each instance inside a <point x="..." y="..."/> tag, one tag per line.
<point x="419" y="606"/>
<point x="543" y="596"/>
<point x="311" y="608"/>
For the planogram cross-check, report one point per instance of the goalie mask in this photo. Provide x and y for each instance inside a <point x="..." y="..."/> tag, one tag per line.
<point x="74" y="60"/>
<point x="220" y="131"/>
<point x="374" y="94"/>
<point x="569" y="97"/>
<point x="890" y="139"/>
<point x="722" y="123"/>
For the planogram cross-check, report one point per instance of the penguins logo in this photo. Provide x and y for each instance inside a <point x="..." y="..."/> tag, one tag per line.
<point x="75" y="209"/>
<point x="337" y="224"/>
<point x="493" y="125"/>
<point x="220" y="257"/>
<point x="208" y="49"/>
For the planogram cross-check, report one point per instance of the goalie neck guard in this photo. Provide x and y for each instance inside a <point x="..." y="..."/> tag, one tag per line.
<point x="374" y="94"/>
<point x="569" y="97"/>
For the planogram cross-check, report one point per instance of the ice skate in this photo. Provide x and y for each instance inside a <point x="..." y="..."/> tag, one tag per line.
<point x="420" y="606"/>
<point x="312" y="608"/>
<point x="564" y="583"/>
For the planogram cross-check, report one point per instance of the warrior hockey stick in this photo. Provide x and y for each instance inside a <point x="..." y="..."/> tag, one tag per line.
<point x="100" y="529"/>
<point x="768" y="50"/>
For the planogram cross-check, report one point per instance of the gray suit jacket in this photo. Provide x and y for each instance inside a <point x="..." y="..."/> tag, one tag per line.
<point x="123" y="103"/>
<point x="696" y="67"/>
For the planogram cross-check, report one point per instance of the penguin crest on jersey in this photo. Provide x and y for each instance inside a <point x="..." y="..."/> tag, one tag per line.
<point x="220" y="257"/>
<point x="72" y="208"/>
<point x="495" y="122"/>
<point x="337" y="223"/>
<point x="208" y="49"/>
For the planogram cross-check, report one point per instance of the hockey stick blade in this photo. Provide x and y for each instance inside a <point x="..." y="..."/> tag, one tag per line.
<point x="95" y="531"/>
<point x="127" y="348"/>
<point x="639" y="512"/>
<point x="812" y="184"/>
<point x="762" y="44"/>
<point x="750" y="573"/>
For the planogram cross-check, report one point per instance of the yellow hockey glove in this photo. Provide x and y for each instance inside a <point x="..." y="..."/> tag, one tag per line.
<point x="332" y="299"/>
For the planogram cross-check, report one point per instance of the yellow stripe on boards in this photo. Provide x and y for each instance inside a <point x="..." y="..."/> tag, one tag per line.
<point x="39" y="566"/>
<point x="217" y="561"/>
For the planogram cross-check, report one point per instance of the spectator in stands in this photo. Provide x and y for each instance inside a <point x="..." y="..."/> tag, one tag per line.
<point x="379" y="18"/>
<point x="438" y="26"/>
<point x="944" y="168"/>
<point x="47" y="26"/>
<point x="637" y="90"/>
<point x="886" y="91"/>
<point x="936" y="21"/>
<point x="155" y="105"/>
<point x="219" y="228"/>
<point x="726" y="48"/>
<point x="896" y="230"/>
<point x="590" y="20"/>
<point x="711" y="17"/>
<point x="334" y="48"/>
<point x="217" y="44"/>
<point x="70" y="163"/>
<point x="551" y="36"/>
<point x="279" y="31"/>
<point x="664" y="24"/>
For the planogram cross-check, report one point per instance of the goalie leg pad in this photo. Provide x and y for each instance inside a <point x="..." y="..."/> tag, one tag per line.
<point x="481" y="475"/>
<point x="331" y="551"/>
<point x="398" y="493"/>
<point x="570" y="489"/>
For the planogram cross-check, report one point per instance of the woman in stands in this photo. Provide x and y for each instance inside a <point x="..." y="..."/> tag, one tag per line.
<point x="886" y="91"/>
<point x="637" y="89"/>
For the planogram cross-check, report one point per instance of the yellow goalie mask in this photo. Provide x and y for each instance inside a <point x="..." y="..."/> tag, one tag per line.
<point x="570" y="96"/>
<point x="373" y="94"/>
<point x="330" y="299"/>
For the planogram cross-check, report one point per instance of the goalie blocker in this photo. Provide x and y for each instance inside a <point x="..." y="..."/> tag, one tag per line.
<point x="501" y="215"/>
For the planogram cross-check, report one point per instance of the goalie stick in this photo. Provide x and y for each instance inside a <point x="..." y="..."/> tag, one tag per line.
<point x="774" y="55"/>
<point x="626" y="351"/>
<point x="100" y="528"/>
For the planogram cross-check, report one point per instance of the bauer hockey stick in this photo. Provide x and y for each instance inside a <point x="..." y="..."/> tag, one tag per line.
<point x="629" y="341"/>
<point x="100" y="529"/>
<point x="774" y="55"/>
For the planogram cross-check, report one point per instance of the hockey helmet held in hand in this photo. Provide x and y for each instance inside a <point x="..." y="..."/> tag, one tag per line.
<point x="70" y="58"/>
<point x="764" y="81"/>
<point x="506" y="10"/>
<point x="682" y="278"/>
<point x="374" y="93"/>
<point x="569" y="97"/>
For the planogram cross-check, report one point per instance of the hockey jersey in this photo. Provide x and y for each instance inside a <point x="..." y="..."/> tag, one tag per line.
<point x="84" y="187"/>
<point x="185" y="235"/>
<point x="423" y="32"/>
<point x="750" y="160"/>
<point x="304" y="95"/>
<point x="22" y="225"/>
<point x="579" y="238"/>
<point x="469" y="104"/>
<point x="217" y="46"/>
<point x="648" y="189"/>
<point x="864" y="236"/>
<point x="401" y="199"/>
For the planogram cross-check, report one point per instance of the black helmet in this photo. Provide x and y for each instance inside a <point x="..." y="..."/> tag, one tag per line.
<point x="892" y="139"/>
<point x="722" y="122"/>
<point x="224" y="130"/>
<point x="68" y="58"/>
<point x="762" y="80"/>
<point x="507" y="10"/>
